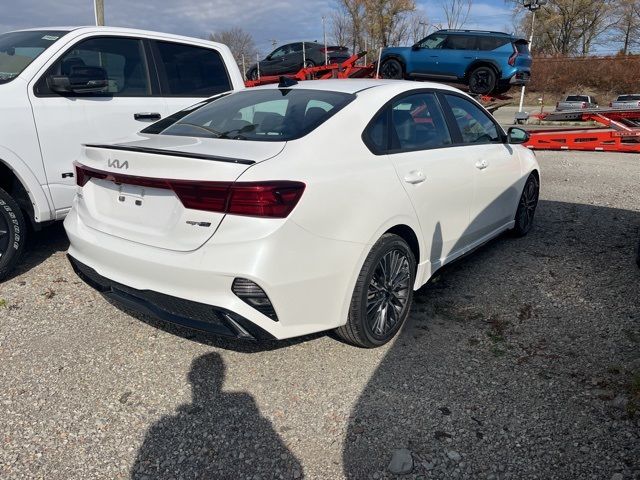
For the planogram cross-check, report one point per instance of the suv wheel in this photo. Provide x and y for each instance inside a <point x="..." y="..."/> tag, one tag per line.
<point x="392" y="68"/>
<point x="482" y="80"/>
<point x="252" y="74"/>
<point x="12" y="233"/>
<point x="382" y="298"/>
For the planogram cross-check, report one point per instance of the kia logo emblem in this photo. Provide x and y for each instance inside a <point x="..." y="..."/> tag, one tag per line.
<point x="115" y="163"/>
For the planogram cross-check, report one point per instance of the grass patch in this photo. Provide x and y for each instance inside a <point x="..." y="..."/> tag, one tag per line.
<point x="3" y="302"/>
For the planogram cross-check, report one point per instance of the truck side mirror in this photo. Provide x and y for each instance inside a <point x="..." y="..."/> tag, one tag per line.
<point x="81" y="79"/>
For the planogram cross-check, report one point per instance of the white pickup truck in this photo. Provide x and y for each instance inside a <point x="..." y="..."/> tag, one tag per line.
<point x="576" y="102"/>
<point x="62" y="87"/>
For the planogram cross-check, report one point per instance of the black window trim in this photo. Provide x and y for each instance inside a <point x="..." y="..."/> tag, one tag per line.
<point x="162" y="74"/>
<point x="145" y="57"/>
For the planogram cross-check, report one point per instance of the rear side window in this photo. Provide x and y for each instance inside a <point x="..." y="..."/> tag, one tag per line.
<point x="123" y="59"/>
<point x="626" y="98"/>
<point x="192" y="71"/>
<point x="411" y="123"/>
<point x="487" y="43"/>
<point x="261" y="115"/>
<point x="522" y="46"/>
<point x="474" y="124"/>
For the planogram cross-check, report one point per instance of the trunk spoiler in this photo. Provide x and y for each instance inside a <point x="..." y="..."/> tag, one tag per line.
<point x="172" y="153"/>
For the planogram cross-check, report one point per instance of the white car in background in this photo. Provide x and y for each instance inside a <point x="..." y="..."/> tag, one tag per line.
<point x="62" y="87"/>
<point x="284" y="210"/>
<point x="626" y="101"/>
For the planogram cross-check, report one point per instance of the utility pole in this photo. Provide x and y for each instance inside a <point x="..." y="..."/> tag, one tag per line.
<point x="98" y="10"/>
<point x="324" y="34"/>
<point x="532" y="5"/>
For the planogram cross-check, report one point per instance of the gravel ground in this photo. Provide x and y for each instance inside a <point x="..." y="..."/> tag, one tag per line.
<point x="521" y="361"/>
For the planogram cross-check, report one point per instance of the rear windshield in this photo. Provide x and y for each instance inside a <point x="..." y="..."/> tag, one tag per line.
<point x="522" y="47"/>
<point x="577" y="98"/>
<point x="19" y="49"/>
<point x="626" y="98"/>
<point x="260" y="115"/>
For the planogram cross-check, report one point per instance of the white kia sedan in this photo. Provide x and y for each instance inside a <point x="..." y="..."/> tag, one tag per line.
<point x="295" y="208"/>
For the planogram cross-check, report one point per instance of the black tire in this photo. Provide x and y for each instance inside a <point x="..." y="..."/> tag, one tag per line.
<point x="309" y="64"/>
<point x="13" y="231"/>
<point x="638" y="256"/>
<point x="527" y="207"/>
<point x="252" y="74"/>
<point x="392" y="68"/>
<point x="482" y="80"/>
<point x="381" y="292"/>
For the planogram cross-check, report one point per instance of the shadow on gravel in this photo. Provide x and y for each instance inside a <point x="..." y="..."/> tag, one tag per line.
<point x="512" y="358"/>
<point x="220" y="435"/>
<point x="40" y="246"/>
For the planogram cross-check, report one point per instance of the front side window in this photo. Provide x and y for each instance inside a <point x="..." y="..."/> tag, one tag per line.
<point x="122" y="59"/>
<point x="19" y="49"/>
<point x="280" y="52"/>
<point x="433" y="41"/>
<point x="192" y="71"/>
<point x="474" y="124"/>
<point x="261" y="115"/>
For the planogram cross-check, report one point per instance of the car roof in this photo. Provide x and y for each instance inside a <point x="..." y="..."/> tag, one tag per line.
<point x="474" y="32"/>
<point x="355" y="85"/>
<point x="121" y="30"/>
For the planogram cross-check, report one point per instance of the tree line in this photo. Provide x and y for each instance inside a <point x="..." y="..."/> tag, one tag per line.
<point x="562" y="27"/>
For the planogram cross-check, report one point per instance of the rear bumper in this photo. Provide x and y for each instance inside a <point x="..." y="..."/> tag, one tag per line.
<point x="309" y="279"/>
<point x="190" y="314"/>
<point x="520" y="78"/>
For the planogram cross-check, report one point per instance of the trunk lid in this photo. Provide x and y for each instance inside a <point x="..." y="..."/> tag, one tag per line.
<point x="135" y="202"/>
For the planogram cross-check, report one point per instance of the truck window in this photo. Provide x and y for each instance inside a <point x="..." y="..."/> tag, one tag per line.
<point x="122" y="58"/>
<point x="191" y="71"/>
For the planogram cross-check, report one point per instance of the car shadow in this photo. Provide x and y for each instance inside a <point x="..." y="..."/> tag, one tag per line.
<point x="218" y="435"/>
<point x="41" y="245"/>
<point x="492" y="374"/>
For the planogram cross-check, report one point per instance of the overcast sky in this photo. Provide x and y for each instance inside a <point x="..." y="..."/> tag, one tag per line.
<point x="280" y="20"/>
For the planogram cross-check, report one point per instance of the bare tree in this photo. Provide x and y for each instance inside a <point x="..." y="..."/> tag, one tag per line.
<point x="626" y="29"/>
<point x="456" y="12"/>
<point x="239" y="42"/>
<point x="384" y="18"/>
<point x="341" y="32"/>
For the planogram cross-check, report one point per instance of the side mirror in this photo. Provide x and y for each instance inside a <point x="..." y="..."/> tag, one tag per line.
<point x="268" y="57"/>
<point x="82" y="79"/>
<point x="415" y="47"/>
<point x="517" y="136"/>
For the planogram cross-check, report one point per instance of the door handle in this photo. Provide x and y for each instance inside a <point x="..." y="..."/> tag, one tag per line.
<point x="481" y="164"/>
<point x="147" y="116"/>
<point x="414" y="177"/>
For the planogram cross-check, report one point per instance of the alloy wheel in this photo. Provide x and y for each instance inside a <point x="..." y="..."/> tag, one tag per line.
<point x="527" y="206"/>
<point x="388" y="292"/>
<point x="391" y="69"/>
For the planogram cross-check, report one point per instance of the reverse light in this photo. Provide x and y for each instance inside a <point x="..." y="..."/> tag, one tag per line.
<point x="251" y="293"/>
<point x="273" y="199"/>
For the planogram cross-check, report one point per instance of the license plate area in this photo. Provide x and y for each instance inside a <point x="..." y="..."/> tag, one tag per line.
<point x="130" y="196"/>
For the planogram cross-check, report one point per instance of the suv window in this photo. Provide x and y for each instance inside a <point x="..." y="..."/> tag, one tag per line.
<point x="192" y="71"/>
<point x="461" y="42"/>
<point x="487" y="43"/>
<point x="433" y="41"/>
<point x="122" y="58"/>
<point x="474" y="124"/>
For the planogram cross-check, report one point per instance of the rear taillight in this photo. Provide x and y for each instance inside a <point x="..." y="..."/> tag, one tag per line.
<point x="611" y="104"/>
<point x="512" y="59"/>
<point x="584" y="104"/>
<point x="274" y="199"/>
<point x="639" y="104"/>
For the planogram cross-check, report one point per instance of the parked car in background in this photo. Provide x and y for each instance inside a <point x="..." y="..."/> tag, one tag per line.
<point x="576" y="102"/>
<point x="487" y="62"/>
<point x="61" y="87"/>
<point x="291" y="58"/>
<point x="626" y="101"/>
<point x="233" y="219"/>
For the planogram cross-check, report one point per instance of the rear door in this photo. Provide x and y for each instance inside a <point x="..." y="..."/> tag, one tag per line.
<point x="437" y="177"/>
<point x="64" y="122"/>
<point x="496" y="172"/>
<point x="459" y="51"/>
<point x="188" y="73"/>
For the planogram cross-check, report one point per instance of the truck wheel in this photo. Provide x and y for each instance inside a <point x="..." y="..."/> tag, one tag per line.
<point x="12" y="233"/>
<point x="252" y="74"/>
<point x="392" y="68"/>
<point x="482" y="80"/>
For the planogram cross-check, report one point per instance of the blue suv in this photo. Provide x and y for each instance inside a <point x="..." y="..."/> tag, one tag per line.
<point x="487" y="62"/>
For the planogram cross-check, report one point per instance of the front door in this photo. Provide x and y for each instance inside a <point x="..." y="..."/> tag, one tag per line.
<point x="65" y="122"/>
<point x="497" y="174"/>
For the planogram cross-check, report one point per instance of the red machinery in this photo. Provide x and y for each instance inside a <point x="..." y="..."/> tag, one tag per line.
<point x="620" y="131"/>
